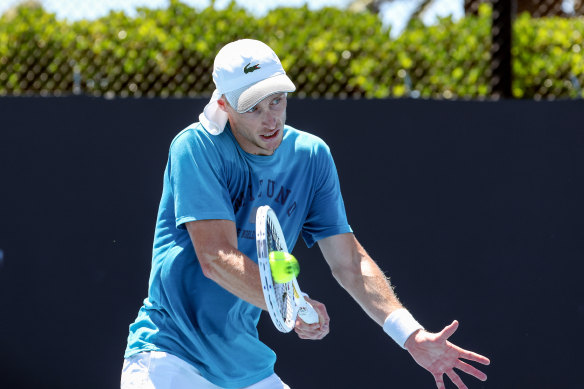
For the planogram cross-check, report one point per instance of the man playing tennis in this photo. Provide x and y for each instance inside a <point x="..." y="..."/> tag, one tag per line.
<point x="197" y="327"/>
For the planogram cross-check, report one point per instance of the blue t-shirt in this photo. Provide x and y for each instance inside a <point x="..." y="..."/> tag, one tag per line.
<point x="211" y="177"/>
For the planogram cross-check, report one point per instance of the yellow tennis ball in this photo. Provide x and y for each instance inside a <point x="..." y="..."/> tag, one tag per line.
<point x="283" y="266"/>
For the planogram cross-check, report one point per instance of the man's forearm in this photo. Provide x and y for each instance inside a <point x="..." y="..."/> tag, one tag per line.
<point x="215" y="242"/>
<point x="367" y="284"/>
<point x="238" y="274"/>
<point x="371" y="289"/>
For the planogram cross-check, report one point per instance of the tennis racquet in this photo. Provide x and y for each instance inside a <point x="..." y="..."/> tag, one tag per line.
<point x="284" y="300"/>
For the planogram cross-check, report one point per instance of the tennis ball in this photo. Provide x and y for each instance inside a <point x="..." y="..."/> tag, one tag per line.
<point x="283" y="266"/>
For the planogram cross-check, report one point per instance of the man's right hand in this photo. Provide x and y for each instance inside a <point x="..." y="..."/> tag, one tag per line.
<point x="314" y="331"/>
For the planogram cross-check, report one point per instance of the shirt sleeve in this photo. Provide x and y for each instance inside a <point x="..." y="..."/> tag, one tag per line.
<point x="197" y="180"/>
<point x="326" y="216"/>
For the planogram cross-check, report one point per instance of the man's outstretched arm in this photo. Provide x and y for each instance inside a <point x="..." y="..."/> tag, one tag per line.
<point x="357" y="273"/>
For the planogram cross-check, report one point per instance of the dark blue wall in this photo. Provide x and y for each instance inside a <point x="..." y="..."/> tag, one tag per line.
<point x="475" y="210"/>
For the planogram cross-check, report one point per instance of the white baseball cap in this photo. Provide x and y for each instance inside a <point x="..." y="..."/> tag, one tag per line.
<point x="246" y="72"/>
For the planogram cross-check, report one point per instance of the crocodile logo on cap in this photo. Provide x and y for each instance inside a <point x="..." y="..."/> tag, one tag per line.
<point x="249" y="69"/>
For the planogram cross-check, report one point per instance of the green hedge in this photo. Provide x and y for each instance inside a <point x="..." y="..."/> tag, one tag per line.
<point x="327" y="52"/>
<point x="548" y="57"/>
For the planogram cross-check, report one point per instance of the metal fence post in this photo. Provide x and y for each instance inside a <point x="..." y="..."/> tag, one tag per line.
<point x="501" y="35"/>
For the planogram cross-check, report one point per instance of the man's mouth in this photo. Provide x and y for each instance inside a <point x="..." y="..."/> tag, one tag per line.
<point x="270" y="135"/>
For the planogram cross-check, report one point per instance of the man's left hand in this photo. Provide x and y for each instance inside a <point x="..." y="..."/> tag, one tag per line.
<point x="437" y="355"/>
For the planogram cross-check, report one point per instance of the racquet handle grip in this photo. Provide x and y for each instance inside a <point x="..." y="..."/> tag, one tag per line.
<point x="307" y="313"/>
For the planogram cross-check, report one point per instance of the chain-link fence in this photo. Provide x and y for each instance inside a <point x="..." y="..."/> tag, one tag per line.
<point x="391" y="48"/>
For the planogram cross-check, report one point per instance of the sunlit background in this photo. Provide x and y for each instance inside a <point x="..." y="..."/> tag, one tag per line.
<point x="332" y="48"/>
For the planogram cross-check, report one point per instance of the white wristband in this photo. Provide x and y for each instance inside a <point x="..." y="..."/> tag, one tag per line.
<point x="400" y="324"/>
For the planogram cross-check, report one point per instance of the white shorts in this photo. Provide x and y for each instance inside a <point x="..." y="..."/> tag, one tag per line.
<point x="160" y="370"/>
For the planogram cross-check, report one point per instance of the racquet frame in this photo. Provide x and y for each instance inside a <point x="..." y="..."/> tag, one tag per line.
<point x="284" y="301"/>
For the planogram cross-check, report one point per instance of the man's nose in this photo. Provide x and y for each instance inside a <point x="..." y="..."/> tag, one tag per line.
<point x="270" y="119"/>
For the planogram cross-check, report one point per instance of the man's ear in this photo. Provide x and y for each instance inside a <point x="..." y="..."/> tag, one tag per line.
<point x="222" y="105"/>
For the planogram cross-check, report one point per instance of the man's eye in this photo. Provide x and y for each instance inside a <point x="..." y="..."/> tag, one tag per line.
<point x="252" y="109"/>
<point x="276" y="101"/>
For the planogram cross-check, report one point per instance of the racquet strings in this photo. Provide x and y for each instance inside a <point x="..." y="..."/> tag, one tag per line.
<point x="284" y="292"/>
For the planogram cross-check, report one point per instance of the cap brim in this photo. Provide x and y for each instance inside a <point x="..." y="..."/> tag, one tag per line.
<point x="244" y="99"/>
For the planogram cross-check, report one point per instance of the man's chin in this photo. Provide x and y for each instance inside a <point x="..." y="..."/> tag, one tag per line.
<point x="272" y="142"/>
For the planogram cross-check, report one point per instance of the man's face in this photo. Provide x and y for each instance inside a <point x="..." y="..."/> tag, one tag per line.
<point x="260" y="130"/>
